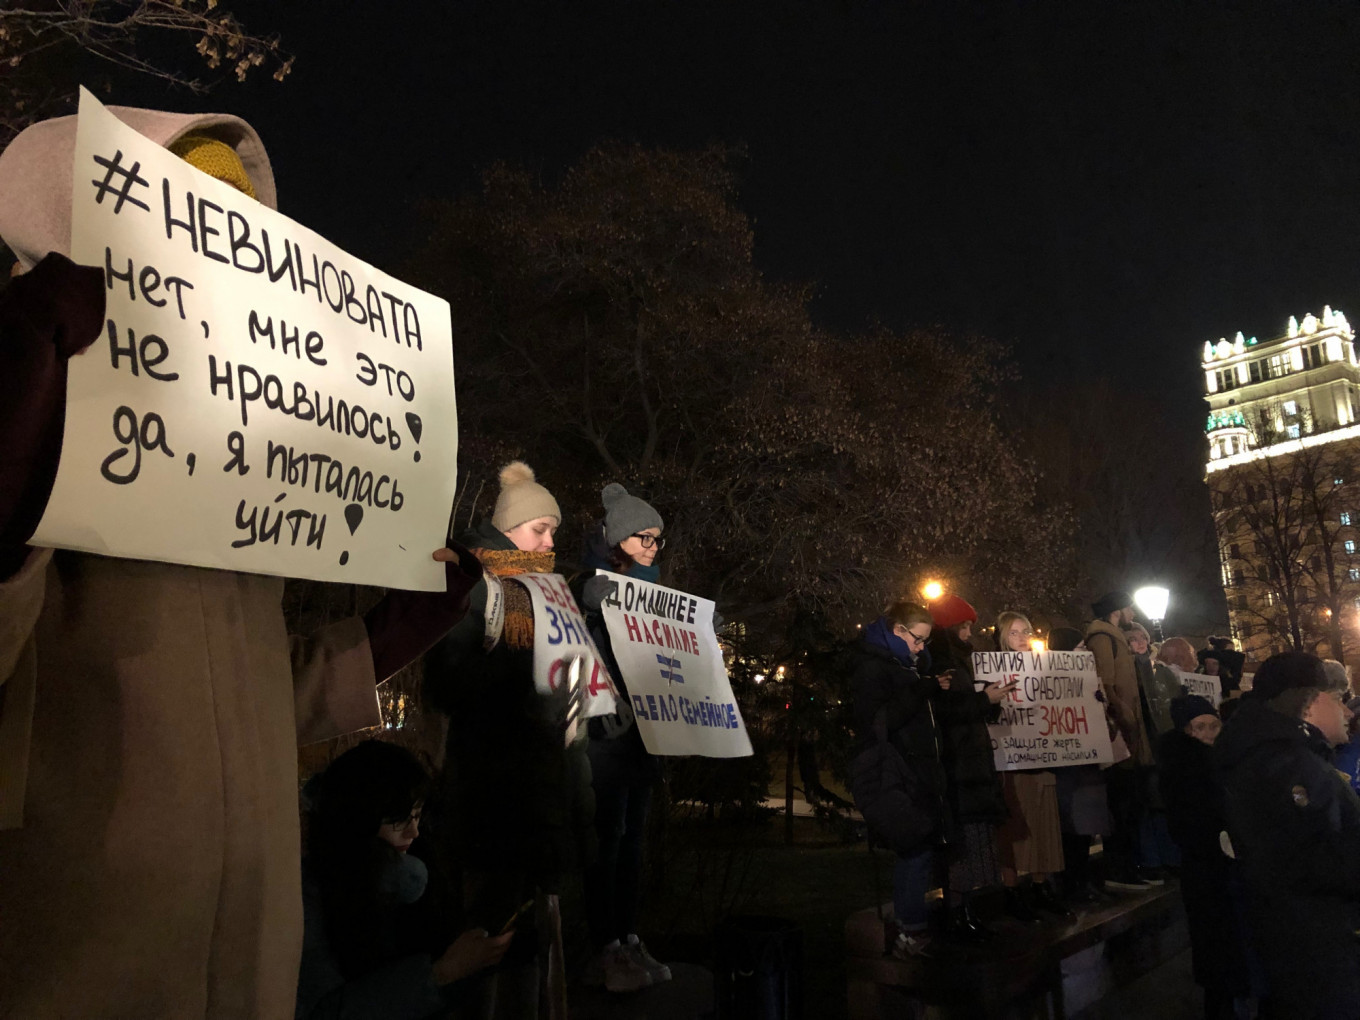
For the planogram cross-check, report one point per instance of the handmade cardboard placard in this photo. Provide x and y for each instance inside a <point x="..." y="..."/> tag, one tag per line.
<point x="667" y="651"/>
<point x="1053" y="717"/>
<point x="259" y="400"/>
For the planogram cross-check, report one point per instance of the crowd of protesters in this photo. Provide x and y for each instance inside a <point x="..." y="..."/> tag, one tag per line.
<point x="1251" y="806"/>
<point x="151" y="714"/>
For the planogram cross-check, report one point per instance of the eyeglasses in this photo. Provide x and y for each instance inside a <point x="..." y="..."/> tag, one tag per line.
<point x="398" y="824"/>
<point x="917" y="637"/>
<point x="648" y="541"/>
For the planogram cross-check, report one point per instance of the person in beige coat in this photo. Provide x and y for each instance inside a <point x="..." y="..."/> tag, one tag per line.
<point x="1126" y="780"/>
<point x="150" y="713"/>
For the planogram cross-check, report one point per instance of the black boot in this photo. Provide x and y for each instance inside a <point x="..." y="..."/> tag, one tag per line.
<point x="1042" y="897"/>
<point x="1018" y="906"/>
<point x="967" y="926"/>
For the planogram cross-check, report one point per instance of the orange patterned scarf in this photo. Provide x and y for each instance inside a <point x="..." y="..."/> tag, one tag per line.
<point x="518" y="631"/>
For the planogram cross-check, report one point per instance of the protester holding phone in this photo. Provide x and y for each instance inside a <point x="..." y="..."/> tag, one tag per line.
<point x="896" y="775"/>
<point x="381" y="937"/>
<point x="975" y="795"/>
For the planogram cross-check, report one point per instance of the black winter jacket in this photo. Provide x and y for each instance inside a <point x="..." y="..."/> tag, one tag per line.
<point x="510" y="799"/>
<point x="879" y="682"/>
<point x="962" y="715"/>
<point x="1209" y="882"/>
<point x="1295" y="828"/>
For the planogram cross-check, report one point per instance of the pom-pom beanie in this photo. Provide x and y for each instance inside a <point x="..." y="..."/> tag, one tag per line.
<point x="522" y="499"/>
<point x="626" y="515"/>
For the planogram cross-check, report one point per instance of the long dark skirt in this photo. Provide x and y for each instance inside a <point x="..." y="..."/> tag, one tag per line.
<point x="973" y="861"/>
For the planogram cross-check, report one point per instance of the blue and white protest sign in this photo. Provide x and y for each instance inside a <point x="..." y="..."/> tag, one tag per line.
<point x="560" y="640"/>
<point x="1053" y="717"/>
<point x="667" y="651"/>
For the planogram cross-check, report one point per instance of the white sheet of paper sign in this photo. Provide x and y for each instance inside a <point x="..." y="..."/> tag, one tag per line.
<point x="196" y="435"/>
<point x="664" y="643"/>
<point x="1204" y="685"/>
<point x="560" y="635"/>
<point x="1053" y="717"/>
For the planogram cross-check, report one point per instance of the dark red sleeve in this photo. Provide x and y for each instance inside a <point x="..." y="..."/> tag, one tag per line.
<point x="406" y="624"/>
<point x="47" y="315"/>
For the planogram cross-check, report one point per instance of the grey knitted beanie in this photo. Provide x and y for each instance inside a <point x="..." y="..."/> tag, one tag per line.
<point x="626" y="515"/>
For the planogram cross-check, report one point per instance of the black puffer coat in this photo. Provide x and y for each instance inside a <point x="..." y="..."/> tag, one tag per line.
<point x="1210" y="884"/>
<point x="1295" y="827"/>
<point x="878" y="682"/>
<point x="974" y="788"/>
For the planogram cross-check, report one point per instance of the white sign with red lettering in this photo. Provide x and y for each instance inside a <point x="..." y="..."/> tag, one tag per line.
<point x="1053" y="717"/>
<point x="561" y="638"/>
<point x="667" y="651"/>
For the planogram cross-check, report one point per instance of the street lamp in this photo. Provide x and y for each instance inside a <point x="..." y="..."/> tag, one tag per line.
<point x="1151" y="602"/>
<point x="932" y="590"/>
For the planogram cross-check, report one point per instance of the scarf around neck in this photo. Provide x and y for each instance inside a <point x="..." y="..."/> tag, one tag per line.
<point x="880" y="634"/>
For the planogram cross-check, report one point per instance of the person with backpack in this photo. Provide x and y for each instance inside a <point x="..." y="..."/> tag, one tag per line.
<point x="896" y="774"/>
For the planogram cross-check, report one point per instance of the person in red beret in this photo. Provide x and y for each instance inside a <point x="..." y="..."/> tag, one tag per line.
<point x="973" y="787"/>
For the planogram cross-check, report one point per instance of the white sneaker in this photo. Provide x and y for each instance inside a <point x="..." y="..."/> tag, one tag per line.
<point x="657" y="970"/>
<point x="623" y="973"/>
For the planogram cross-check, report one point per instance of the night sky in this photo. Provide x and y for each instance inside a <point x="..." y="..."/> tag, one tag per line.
<point x="1104" y="186"/>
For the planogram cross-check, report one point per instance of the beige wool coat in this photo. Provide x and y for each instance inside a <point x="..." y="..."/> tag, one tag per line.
<point x="1119" y="681"/>
<point x="149" y="721"/>
<point x="155" y="872"/>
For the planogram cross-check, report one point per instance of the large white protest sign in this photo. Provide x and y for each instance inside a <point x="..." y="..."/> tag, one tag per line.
<point x="560" y="637"/>
<point x="664" y="643"/>
<point x="1204" y="685"/>
<point x="1053" y="717"/>
<point x="258" y="400"/>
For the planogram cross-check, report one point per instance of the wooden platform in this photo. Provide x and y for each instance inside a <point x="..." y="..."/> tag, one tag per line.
<point x="687" y="996"/>
<point x="1050" y="970"/>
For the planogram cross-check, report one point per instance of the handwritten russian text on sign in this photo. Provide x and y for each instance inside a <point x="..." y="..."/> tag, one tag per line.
<point x="258" y="400"/>
<point x="1053" y="717"/>
<point x="1204" y="685"/>
<point x="664" y="643"/>
<point x="560" y="635"/>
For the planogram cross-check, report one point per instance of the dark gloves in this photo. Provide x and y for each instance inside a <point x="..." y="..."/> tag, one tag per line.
<point x="406" y="624"/>
<point x="47" y="315"/>
<point x="595" y="591"/>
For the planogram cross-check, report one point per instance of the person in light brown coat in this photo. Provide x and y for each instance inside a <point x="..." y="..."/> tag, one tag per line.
<point x="149" y="713"/>
<point x="1119" y="684"/>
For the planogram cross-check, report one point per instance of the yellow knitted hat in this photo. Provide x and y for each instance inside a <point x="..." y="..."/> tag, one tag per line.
<point x="214" y="158"/>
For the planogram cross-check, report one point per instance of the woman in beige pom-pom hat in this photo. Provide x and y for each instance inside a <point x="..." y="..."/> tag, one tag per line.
<point x="515" y="808"/>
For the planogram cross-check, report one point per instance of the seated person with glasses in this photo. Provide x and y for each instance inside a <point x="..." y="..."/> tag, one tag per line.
<point x="380" y="937"/>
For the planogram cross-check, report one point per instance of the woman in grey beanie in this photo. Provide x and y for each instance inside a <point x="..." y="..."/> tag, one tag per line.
<point x="622" y="771"/>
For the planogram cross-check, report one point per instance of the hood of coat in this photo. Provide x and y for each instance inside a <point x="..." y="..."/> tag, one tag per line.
<point x="1105" y="627"/>
<point x="486" y="536"/>
<point x="1256" y="728"/>
<point x="36" y="172"/>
